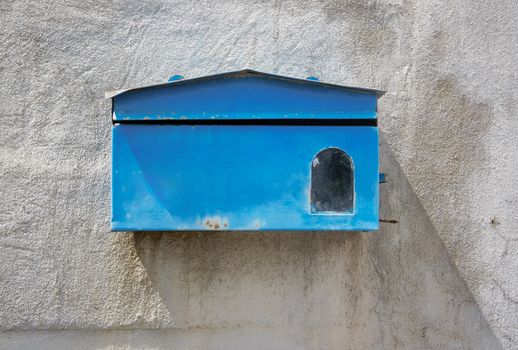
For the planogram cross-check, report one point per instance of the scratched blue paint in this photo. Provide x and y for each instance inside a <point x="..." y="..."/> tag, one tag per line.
<point x="245" y="95"/>
<point x="185" y="177"/>
<point x="237" y="177"/>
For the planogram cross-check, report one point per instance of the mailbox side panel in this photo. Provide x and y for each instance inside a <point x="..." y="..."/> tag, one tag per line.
<point x="232" y="177"/>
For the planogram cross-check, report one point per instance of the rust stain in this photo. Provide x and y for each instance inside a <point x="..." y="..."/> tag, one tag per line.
<point x="215" y="223"/>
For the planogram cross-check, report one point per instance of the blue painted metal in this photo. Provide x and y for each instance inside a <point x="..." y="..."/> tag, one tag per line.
<point x="237" y="177"/>
<point x="175" y="78"/>
<point x="245" y="95"/>
<point x="383" y="178"/>
<point x="242" y="177"/>
<point x="313" y="78"/>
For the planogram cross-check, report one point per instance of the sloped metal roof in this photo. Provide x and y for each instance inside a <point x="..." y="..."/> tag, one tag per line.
<point x="247" y="73"/>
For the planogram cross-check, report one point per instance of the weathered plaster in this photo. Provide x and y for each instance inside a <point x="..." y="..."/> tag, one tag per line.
<point x="449" y="117"/>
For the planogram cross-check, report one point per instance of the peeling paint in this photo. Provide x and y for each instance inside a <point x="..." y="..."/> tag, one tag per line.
<point x="216" y="223"/>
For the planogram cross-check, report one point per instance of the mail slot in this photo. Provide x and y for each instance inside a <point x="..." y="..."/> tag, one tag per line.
<point x="245" y="151"/>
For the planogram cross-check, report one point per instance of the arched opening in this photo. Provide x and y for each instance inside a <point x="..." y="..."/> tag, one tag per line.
<point x="332" y="182"/>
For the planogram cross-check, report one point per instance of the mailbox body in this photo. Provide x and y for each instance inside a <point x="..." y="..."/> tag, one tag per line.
<point x="243" y="151"/>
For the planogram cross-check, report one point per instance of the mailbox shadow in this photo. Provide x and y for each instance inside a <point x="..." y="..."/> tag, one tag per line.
<point x="355" y="289"/>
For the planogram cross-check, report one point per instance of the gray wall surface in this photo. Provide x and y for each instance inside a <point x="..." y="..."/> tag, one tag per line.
<point x="444" y="277"/>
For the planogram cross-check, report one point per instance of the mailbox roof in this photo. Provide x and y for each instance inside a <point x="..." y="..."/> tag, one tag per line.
<point x="245" y="94"/>
<point x="245" y="73"/>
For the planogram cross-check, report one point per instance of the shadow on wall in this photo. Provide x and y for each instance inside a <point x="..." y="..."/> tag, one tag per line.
<point x="395" y="288"/>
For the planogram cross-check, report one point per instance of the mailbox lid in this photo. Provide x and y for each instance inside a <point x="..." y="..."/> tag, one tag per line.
<point x="234" y="177"/>
<point x="244" y="95"/>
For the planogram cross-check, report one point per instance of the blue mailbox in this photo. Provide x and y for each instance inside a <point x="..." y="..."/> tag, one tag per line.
<point x="245" y="151"/>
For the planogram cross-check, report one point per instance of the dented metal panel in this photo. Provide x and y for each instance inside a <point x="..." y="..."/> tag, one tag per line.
<point x="183" y="177"/>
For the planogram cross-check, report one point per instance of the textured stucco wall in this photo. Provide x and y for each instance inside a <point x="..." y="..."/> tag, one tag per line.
<point x="449" y="124"/>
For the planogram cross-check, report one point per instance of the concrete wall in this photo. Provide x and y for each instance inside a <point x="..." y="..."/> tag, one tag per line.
<point x="445" y="276"/>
